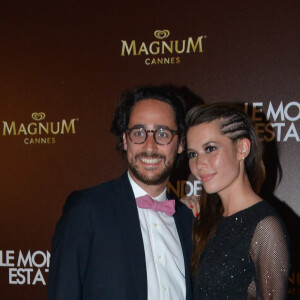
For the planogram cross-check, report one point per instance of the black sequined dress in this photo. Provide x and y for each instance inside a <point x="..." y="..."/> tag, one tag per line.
<point x="247" y="258"/>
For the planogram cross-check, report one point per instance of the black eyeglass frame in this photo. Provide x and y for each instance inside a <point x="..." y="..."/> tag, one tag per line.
<point x="173" y="132"/>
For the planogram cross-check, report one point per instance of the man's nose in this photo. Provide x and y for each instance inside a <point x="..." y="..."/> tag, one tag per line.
<point x="150" y="143"/>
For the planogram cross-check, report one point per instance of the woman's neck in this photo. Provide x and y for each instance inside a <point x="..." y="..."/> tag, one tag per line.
<point x="238" y="197"/>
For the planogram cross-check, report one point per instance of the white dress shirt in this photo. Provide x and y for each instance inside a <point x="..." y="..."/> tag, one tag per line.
<point x="163" y="252"/>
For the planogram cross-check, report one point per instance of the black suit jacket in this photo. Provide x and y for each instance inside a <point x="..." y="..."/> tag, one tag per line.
<point x="97" y="248"/>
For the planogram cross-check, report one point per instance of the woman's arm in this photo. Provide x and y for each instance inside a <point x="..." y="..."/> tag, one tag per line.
<point x="269" y="251"/>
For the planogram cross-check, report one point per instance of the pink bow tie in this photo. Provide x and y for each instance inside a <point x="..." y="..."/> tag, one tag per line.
<point x="167" y="207"/>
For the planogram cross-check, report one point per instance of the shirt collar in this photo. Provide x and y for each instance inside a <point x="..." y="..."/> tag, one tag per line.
<point x="138" y="191"/>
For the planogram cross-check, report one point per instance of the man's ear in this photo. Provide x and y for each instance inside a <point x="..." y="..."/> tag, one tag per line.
<point x="180" y="146"/>
<point x="124" y="141"/>
<point x="243" y="148"/>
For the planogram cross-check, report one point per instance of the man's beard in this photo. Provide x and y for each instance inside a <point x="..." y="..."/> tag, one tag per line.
<point x="150" y="180"/>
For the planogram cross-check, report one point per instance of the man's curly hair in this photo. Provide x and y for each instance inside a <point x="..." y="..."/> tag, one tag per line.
<point x="129" y="98"/>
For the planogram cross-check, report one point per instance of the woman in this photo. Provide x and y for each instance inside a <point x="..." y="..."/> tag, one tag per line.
<point x="240" y="244"/>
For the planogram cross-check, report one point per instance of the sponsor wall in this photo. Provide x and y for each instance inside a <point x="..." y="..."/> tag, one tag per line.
<point x="63" y="65"/>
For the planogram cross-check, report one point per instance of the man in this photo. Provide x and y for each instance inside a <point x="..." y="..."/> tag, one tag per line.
<point x="107" y="247"/>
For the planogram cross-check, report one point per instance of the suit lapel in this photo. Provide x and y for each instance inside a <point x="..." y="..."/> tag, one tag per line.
<point x="184" y="226"/>
<point x="127" y="214"/>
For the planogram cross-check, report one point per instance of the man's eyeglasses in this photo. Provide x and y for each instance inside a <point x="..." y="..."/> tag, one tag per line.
<point x="162" y="136"/>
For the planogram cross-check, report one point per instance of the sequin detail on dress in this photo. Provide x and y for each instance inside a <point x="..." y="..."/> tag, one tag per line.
<point x="247" y="258"/>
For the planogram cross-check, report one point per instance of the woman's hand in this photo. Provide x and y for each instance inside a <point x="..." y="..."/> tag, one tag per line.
<point x="192" y="203"/>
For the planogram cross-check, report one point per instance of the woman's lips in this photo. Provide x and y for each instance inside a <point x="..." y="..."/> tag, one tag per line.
<point x="206" y="177"/>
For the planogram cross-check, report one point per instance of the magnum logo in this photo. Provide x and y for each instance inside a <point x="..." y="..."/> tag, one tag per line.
<point x="161" y="34"/>
<point x="163" y="47"/>
<point x="38" y="116"/>
<point x="39" y="132"/>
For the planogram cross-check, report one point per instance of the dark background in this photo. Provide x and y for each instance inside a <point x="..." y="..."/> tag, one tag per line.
<point x="63" y="58"/>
